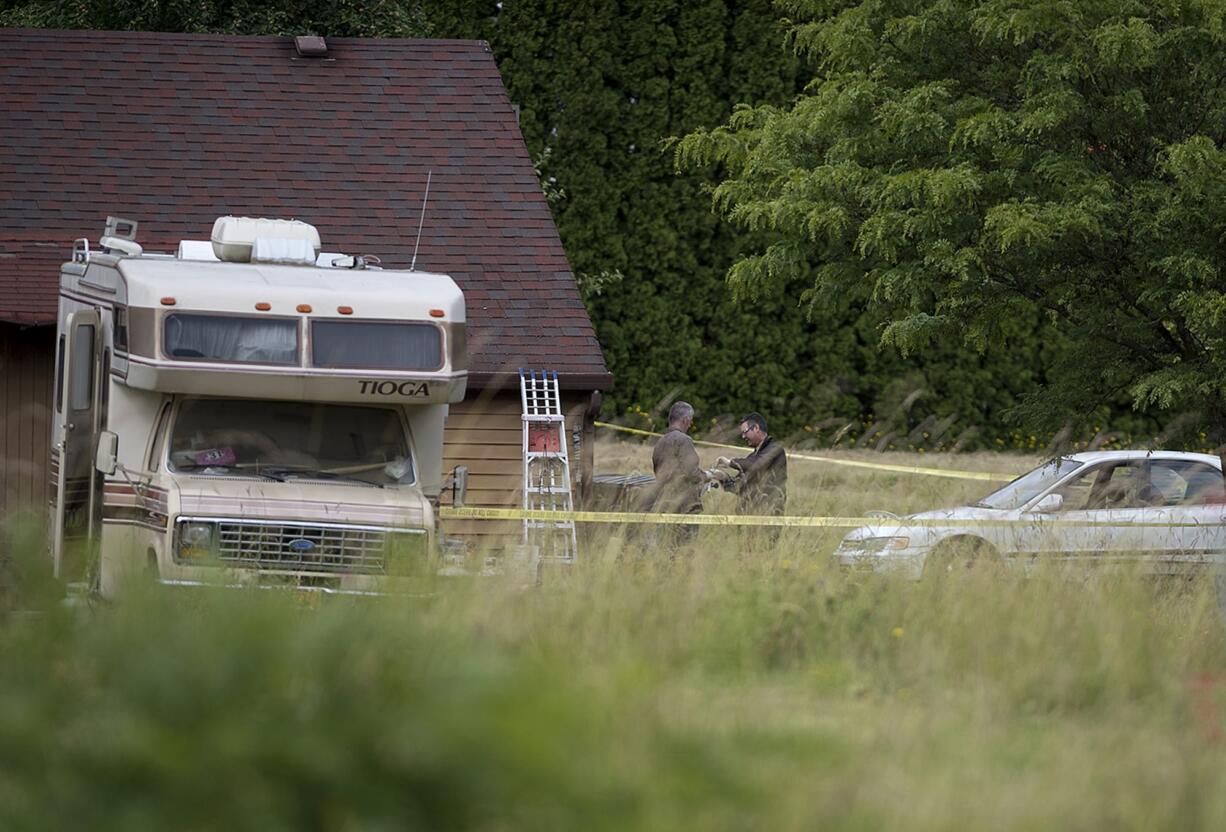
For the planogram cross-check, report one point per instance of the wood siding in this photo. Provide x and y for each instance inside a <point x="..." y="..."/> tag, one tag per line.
<point x="27" y="356"/>
<point x="485" y="433"/>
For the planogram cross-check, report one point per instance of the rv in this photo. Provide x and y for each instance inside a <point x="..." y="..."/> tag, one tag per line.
<point x="250" y="411"/>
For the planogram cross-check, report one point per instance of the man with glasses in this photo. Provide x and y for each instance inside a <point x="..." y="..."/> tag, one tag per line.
<point x="761" y="481"/>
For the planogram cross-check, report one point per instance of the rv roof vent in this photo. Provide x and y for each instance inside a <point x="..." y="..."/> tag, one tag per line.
<point x="196" y="250"/>
<point x="234" y="237"/>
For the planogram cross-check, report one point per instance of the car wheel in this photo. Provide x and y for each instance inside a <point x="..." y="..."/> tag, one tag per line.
<point x="961" y="556"/>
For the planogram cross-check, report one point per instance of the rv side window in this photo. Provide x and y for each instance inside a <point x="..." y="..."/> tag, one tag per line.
<point x="80" y="396"/>
<point x="59" y="377"/>
<point x="231" y="338"/>
<point x="121" y="329"/>
<point x="376" y="345"/>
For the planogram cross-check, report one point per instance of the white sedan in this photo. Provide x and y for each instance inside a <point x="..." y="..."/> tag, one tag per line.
<point x="1096" y="508"/>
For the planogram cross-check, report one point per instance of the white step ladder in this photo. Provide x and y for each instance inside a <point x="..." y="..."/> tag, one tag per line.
<point x="546" y="466"/>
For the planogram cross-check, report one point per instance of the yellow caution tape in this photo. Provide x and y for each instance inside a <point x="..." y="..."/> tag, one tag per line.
<point x="876" y="466"/>
<point x="475" y="513"/>
<point x="634" y="517"/>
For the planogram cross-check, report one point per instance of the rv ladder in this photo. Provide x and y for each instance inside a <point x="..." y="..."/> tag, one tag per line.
<point x="547" y="484"/>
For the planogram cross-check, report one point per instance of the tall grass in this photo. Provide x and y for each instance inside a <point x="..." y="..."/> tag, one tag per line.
<point x="731" y="684"/>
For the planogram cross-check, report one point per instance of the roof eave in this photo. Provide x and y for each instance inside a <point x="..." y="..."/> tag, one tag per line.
<point x="566" y="381"/>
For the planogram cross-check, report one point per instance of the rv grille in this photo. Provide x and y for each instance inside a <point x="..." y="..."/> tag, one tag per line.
<point x="311" y="547"/>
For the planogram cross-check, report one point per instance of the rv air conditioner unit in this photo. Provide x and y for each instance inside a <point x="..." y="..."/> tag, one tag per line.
<point x="234" y="240"/>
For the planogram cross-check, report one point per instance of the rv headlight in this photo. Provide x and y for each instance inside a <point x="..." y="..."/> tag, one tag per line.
<point x="195" y="540"/>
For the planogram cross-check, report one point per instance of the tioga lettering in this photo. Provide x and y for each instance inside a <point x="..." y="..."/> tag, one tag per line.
<point x="374" y="387"/>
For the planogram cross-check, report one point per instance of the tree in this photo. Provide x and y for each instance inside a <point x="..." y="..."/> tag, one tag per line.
<point x="962" y="164"/>
<point x="336" y="18"/>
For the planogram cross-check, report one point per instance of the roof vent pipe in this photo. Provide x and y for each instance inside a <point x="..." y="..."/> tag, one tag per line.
<point x="311" y="46"/>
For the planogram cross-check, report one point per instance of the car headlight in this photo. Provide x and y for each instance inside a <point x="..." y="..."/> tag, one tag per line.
<point x="883" y="544"/>
<point x="196" y="540"/>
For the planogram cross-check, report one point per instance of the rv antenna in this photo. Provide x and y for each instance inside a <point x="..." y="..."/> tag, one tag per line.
<point x="421" y="220"/>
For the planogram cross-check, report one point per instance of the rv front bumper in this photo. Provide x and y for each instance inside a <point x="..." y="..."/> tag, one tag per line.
<point x="332" y="585"/>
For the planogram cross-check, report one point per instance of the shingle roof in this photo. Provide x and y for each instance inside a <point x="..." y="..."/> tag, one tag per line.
<point x="176" y="130"/>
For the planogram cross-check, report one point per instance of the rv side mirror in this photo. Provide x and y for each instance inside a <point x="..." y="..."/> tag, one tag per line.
<point x="459" y="485"/>
<point x="1049" y="504"/>
<point x="105" y="460"/>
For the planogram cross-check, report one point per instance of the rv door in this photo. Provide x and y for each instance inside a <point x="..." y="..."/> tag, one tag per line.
<point x="78" y="504"/>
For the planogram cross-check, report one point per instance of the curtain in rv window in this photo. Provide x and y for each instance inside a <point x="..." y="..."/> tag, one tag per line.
<point x="376" y="345"/>
<point x="223" y="338"/>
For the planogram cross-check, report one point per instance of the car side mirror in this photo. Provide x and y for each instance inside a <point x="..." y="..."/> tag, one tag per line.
<point x="459" y="485"/>
<point x="106" y="458"/>
<point x="1050" y="504"/>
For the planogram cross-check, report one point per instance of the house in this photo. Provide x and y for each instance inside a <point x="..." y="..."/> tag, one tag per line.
<point x="175" y="130"/>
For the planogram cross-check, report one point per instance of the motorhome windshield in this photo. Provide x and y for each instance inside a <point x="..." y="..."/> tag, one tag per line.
<point x="291" y="440"/>
<point x="231" y="338"/>
<point x="376" y="345"/>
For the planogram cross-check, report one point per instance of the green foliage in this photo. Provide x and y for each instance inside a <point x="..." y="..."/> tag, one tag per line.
<point x="338" y="18"/>
<point x="25" y="571"/>
<point x="736" y="685"/>
<point x="244" y="713"/>
<point x="602" y="87"/>
<point x="963" y="165"/>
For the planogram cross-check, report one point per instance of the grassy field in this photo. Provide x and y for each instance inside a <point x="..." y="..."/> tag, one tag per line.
<point x="735" y="685"/>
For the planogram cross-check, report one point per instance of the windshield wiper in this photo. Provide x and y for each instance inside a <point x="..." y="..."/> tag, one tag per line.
<point x="195" y="467"/>
<point x="282" y="474"/>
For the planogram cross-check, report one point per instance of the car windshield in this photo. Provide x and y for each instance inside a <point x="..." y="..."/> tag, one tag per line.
<point x="1028" y="486"/>
<point x="291" y="440"/>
